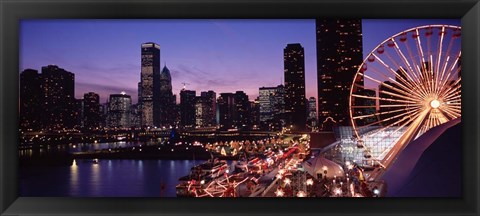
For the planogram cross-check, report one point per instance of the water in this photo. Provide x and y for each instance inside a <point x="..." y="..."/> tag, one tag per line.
<point x="108" y="178"/>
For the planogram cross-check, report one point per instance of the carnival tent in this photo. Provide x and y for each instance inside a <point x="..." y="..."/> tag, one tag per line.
<point x="319" y="166"/>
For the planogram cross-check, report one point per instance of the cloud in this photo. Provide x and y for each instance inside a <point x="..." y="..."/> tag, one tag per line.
<point x="108" y="73"/>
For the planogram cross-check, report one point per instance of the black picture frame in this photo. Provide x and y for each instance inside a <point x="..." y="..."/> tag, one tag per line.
<point x="11" y="12"/>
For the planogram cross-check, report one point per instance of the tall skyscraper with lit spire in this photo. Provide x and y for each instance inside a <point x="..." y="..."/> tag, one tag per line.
<point x="166" y="98"/>
<point x="150" y="72"/>
<point x="339" y="54"/>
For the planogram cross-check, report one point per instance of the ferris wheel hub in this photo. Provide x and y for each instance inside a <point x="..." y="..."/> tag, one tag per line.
<point x="435" y="104"/>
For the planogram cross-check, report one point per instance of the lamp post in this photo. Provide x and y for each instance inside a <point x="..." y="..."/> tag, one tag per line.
<point x="309" y="184"/>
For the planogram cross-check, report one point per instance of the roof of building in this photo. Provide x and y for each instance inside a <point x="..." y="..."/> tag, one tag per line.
<point x="165" y="73"/>
<point x="429" y="166"/>
<point x="319" y="164"/>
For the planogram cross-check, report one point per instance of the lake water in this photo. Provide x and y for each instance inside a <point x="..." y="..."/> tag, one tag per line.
<point x="108" y="178"/>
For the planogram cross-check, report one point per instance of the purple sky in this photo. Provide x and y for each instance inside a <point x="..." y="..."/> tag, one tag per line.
<point x="219" y="55"/>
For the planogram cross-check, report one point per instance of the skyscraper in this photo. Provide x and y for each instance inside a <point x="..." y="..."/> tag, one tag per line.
<point x="91" y="110"/>
<point x="135" y="116"/>
<point x="59" y="105"/>
<point x="199" y="112"/>
<point x="241" y="118"/>
<point x="255" y="114"/>
<point x="266" y="99"/>
<point x="166" y="99"/>
<point x="339" y="54"/>
<point x="187" y="108"/>
<point x="210" y="107"/>
<point x="150" y="77"/>
<point x="30" y="100"/>
<point x="294" y="70"/>
<point x="104" y="107"/>
<point x="226" y="110"/>
<point x="119" y="110"/>
<point x="312" y="112"/>
<point x="79" y="109"/>
<point x="271" y="107"/>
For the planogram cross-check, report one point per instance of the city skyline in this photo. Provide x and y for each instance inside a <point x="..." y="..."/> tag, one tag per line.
<point x="371" y="111"/>
<point x="238" y="48"/>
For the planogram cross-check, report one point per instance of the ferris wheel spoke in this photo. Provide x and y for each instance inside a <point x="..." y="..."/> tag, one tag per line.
<point x="454" y="108"/>
<point x="407" y="80"/>
<point x="429" y="53"/>
<point x="405" y="61"/>
<point x="439" y="57"/>
<point x="441" y="81"/>
<point x="423" y="82"/>
<point x="383" y="106"/>
<point x="391" y="118"/>
<point x="426" y="124"/>
<point x="383" y="113"/>
<point x="412" y="58"/>
<point x="454" y="102"/>
<point x="384" y="84"/>
<point x="450" y="45"/>
<point x="406" y="91"/>
<point x="393" y="72"/>
<point x="453" y="89"/>
<point x="429" y="76"/>
<point x="421" y="55"/>
<point x="453" y="105"/>
<point x="452" y="73"/>
<point x="452" y="114"/>
<point x="455" y="64"/>
<point x="390" y="93"/>
<point x="401" y="96"/>
<point x="398" y="105"/>
<point x="447" y="87"/>
<point x="383" y="99"/>
<point x="453" y="97"/>
<point x="407" y="121"/>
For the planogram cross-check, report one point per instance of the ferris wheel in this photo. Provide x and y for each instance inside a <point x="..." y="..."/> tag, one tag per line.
<point x="407" y="85"/>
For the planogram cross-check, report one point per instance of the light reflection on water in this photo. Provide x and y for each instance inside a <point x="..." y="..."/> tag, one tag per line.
<point x="108" y="178"/>
<point x="74" y="177"/>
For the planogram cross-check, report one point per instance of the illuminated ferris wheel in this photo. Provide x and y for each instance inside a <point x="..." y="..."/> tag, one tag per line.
<point x="407" y="85"/>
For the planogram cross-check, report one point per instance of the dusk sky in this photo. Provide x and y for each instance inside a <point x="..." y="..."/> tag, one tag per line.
<point x="219" y="55"/>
